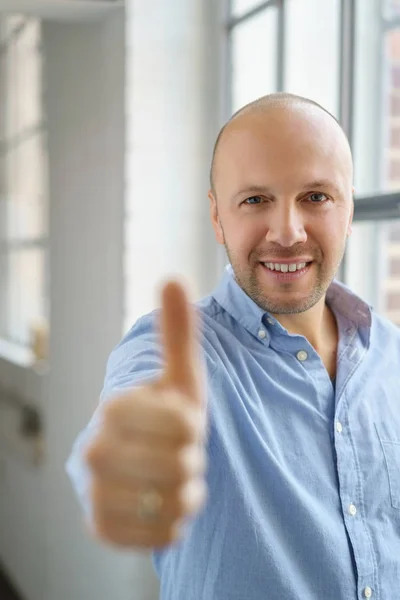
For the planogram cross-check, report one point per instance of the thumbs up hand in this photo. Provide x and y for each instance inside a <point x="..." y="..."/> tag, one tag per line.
<point x="148" y="461"/>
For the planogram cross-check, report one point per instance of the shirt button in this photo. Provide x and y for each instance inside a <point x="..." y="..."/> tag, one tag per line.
<point x="352" y="510"/>
<point x="261" y="334"/>
<point x="302" y="355"/>
<point x="339" y="427"/>
<point x="367" y="592"/>
<point x="270" y="321"/>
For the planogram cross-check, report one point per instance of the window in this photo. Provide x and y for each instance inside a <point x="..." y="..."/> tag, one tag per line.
<point x="254" y="58"/>
<point x="374" y="248"/>
<point x="346" y="56"/>
<point x="23" y="178"/>
<point x="284" y="45"/>
<point x="311" y="51"/>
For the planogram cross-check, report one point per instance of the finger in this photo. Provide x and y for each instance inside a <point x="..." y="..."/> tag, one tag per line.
<point x="178" y="332"/>
<point x="162" y="415"/>
<point x="118" y="502"/>
<point x="129" y="536"/>
<point x="141" y="463"/>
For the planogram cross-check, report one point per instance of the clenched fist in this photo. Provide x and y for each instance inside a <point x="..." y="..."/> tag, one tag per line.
<point x="153" y="437"/>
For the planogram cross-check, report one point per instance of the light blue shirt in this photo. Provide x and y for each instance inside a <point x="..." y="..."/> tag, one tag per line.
<point x="303" y="479"/>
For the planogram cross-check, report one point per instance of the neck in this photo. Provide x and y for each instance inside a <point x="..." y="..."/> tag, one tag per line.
<point x="317" y="325"/>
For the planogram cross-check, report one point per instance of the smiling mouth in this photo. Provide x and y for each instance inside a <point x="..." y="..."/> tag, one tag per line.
<point x="286" y="267"/>
<point x="285" y="273"/>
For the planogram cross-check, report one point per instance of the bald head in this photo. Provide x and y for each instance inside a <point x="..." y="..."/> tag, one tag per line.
<point x="267" y="106"/>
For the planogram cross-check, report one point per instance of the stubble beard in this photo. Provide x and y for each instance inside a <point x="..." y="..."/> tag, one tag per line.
<point x="249" y="281"/>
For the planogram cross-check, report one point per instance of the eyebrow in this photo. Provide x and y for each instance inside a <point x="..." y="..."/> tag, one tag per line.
<point x="317" y="183"/>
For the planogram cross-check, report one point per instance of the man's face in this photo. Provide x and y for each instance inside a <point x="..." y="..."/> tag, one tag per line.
<point x="283" y="197"/>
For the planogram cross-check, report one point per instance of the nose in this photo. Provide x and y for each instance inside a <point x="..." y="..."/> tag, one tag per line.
<point x="285" y="225"/>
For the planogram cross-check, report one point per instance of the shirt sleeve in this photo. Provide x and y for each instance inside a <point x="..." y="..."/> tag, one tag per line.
<point x="136" y="360"/>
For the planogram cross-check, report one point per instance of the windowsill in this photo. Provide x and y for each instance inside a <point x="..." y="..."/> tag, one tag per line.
<point x="21" y="356"/>
<point x="14" y="353"/>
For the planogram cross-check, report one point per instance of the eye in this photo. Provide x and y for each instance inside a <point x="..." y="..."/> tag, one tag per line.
<point x="318" y="198"/>
<point x="257" y="199"/>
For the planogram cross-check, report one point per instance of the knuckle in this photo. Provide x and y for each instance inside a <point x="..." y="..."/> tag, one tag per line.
<point x="179" y="417"/>
<point x="190" y="461"/>
<point x="186" y="424"/>
<point x="188" y="498"/>
<point x="114" y="410"/>
<point x="183" y="465"/>
<point x="111" y="410"/>
<point x="201" y="461"/>
<point x="202" y="495"/>
<point x="195" y="495"/>
<point x="95" y="453"/>
<point x="180" y="506"/>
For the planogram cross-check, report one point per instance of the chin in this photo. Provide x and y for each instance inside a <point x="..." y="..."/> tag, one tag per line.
<point x="289" y="304"/>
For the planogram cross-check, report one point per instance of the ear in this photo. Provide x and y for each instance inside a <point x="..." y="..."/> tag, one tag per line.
<point x="219" y="234"/>
<point x="349" y="227"/>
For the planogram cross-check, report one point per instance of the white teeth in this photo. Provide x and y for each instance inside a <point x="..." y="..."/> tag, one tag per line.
<point x="284" y="268"/>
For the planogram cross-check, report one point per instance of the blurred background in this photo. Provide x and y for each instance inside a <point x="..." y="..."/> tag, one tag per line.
<point x="108" y="115"/>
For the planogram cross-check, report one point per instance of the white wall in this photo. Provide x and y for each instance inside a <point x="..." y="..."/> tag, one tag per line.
<point x="85" y="102"/>
<point x="173" y="118"/>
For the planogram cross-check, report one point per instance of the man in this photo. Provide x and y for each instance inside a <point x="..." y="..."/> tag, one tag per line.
<point x="268" y="464"/>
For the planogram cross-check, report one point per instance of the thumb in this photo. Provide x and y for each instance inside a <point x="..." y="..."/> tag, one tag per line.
<point x="178" y="331"/>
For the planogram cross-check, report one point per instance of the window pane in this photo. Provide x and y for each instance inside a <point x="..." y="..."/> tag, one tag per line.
<point x="29" y="76"/>
<point x="21" y="78"/>
<point x="25" y="297"/>
<point x="312" y="51"/>
<point x="26" y="219"/>
<point x="373" y="265"/>
<point x="240" y="7"/>
<point x="26" y="192"/>
<point x="9" y="92"/>
<point x="377" y="103"/>
<point x="391" y="129"/>
<point x="254" y="57"/>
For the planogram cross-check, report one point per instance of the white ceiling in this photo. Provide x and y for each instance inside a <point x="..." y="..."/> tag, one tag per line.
<point x="60" y="9"/>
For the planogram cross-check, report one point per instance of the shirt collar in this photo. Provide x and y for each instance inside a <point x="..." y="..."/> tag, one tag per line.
<point x="238" y="304"/>
<point x="347" y="304"/>
<point x="245" y="311"/>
